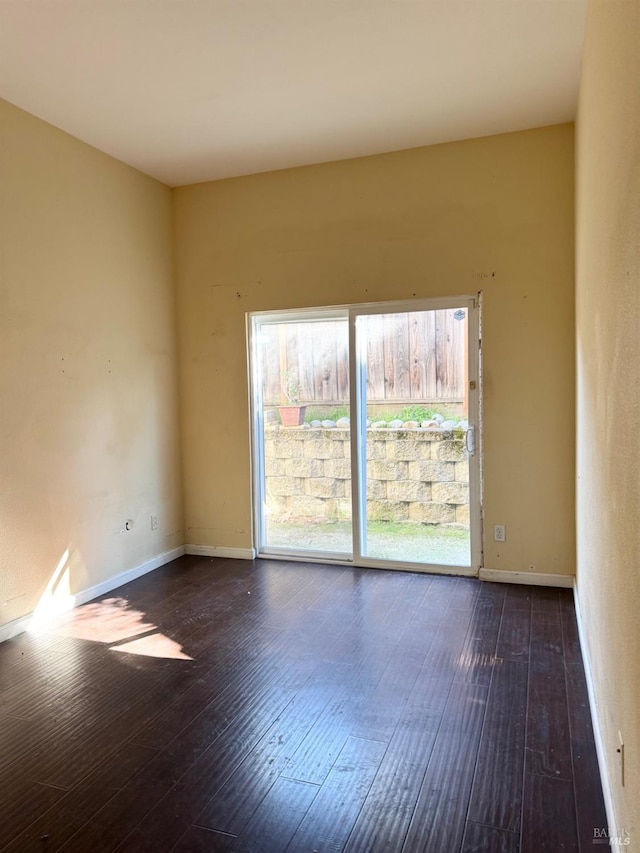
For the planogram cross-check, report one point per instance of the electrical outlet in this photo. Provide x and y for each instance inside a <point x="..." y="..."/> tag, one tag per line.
<point x="620" y="755"/>
<point x="499" y="533"/>
<point x="154" y="522"/>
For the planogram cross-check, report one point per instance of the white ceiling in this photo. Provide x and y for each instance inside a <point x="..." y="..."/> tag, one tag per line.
<point x="192" y="90"/>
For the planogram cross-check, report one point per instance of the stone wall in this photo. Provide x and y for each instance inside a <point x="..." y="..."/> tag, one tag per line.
<point x="419" y="475"/>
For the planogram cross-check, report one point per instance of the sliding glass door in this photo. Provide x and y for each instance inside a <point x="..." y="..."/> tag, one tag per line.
<point x="365" y="434"/>
<point x="413" y="372"/>
<point x="302" y="433"/>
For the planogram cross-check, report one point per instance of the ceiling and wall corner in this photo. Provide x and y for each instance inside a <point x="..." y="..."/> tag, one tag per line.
<point x="206" y="89"/>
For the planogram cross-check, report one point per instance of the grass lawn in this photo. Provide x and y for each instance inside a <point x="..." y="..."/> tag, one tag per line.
<point x="387" y="540"/>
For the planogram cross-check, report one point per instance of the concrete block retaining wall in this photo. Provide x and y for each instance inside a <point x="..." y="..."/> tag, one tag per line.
<point x="412" y="475"/>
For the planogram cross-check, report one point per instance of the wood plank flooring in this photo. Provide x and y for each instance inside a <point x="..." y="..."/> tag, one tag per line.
<point x="220" y="705"/>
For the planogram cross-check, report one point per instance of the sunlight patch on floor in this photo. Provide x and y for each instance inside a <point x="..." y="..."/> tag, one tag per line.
<point x="108" y="621"/>
<point x="111" y="621"/>
<point x="153" y="646"/>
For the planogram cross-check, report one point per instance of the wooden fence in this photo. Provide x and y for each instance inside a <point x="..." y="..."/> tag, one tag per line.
<point x="414" y="357"/>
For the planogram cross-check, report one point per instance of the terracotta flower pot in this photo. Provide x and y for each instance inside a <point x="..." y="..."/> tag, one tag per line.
<point x="292" y="415"/>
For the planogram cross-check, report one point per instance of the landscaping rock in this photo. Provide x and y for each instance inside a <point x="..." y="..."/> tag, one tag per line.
<point x="379" y="425"/>
<point x="395" y="424"/>
<point x="343" y="423"/>
<point x="316" y="423"/>
<point x="328" y="424"/>
<point x="410" y="425"/>
<point x="448" y="425"/>
<point x="450" y="493"/>
<point x="432" y="513"/>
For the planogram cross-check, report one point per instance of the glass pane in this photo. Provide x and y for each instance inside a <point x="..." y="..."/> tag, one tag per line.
<point x="417" y="470"/>
<point x="304" y="381"/>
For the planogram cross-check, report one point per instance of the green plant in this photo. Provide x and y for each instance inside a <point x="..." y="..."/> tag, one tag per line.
<point x="320" y="413"/>
<point x="417" y="413"/>
<point x="414" y="412"/>
<point x="291" y="388"/>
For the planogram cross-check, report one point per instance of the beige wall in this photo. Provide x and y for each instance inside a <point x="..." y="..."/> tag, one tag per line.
<point x="88" y="426"/>
<point x="608" y="397"/>
<point x="494" y="214"/>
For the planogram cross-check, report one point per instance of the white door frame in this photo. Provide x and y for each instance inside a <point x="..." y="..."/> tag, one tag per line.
<point x="358" y="435"/>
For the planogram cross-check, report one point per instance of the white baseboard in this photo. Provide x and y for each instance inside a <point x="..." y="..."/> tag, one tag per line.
<point x="12" y="629"/>
<point x="530" y="578"/>
<point x="129" y="575"/>
<point x="595" y="718"/>
<point x="217" y="551"/>
<point x="18" y="626"/>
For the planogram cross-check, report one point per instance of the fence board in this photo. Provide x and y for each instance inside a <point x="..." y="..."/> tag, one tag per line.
<point x="411" y="357"/>
<point x="387" y="340"/>
<point x="442" y="372"/>
<point x="432" y="362"/>
<point x="289" y="362"/>
<point x="375" y="357"/>
<point x="307" y="370"/>
<point x="417" y="356"/>
<point x="270" y="360"/>
<point x="401" y="379"/>
<point x="342" y="358"/>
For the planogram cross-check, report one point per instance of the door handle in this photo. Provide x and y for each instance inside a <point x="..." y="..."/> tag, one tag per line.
<point x="470" y="440"/>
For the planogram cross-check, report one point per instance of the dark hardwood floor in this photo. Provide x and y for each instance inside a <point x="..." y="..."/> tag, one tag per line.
<point x="218" y="705"/>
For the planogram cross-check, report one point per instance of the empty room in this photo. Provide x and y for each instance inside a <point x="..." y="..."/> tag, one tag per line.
<point x="319" y="383"/>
